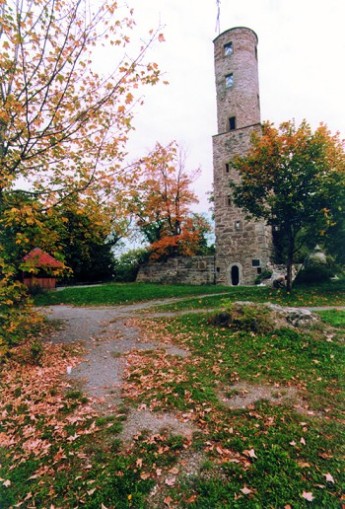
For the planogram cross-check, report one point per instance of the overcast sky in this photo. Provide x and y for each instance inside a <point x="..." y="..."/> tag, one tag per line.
<point x="301" y="70"/>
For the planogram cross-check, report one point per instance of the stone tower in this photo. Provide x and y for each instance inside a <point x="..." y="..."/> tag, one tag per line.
<point x="243" y="247"/>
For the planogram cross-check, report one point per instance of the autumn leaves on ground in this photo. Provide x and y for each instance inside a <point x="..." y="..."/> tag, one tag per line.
<point x="231" y="419"/>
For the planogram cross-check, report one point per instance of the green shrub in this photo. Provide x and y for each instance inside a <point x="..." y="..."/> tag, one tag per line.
<point x="265" y="274"/>
<point x="245" y="316"/>
<point x="127" y="266"/>
<point x="16" y="317"/>
<point x="315" y="273"/>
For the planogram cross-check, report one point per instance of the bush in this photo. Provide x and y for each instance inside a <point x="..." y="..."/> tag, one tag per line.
<point x="315" y="273"/>
<point x="265" y="274"/>
<point x="16" y="317"/>
<point x="127" y="266"/>
<point x="245" y="316"/>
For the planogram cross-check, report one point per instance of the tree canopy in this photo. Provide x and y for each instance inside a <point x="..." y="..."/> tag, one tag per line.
<point x="64" y="122"/>
<point x="294" y="179"/>
<point x="161" y="204"/>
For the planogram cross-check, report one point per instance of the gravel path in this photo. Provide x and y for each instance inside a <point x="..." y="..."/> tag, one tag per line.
<point x="107" y="334"/>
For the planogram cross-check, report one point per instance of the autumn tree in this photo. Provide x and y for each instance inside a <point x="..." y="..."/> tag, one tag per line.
<point x="294" y="179"/>
<point x="63" y="124"/>
<point x="64" y="121"/>
<point x="161" y="204"/>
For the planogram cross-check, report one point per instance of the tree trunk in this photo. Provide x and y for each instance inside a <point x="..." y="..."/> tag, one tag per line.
<point x="290" y="260"/>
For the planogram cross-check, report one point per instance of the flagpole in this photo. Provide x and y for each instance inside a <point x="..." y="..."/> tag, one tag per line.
<point x="218" y="17"/>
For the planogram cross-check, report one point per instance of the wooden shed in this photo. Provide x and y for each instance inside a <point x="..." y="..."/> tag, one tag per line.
<point x="41" y="269"/>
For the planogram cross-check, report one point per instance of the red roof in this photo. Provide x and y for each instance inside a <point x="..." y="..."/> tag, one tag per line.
<point x="39" y="258"/>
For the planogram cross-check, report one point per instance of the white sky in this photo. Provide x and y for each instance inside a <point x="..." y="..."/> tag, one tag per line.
<point x="301" y="70"/>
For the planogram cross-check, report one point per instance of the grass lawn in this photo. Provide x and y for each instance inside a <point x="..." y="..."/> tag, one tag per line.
<point x="121" y="293"/>
<point x="283" y="450"/>
<point x="327" y="294"/>
<point x="266" y="455"/>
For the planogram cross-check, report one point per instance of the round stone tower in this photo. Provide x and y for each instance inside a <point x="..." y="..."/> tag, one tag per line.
<point x="237" y="83"/>
<point x="242" y="246"/>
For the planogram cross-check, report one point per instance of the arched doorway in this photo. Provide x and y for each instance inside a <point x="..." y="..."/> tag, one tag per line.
<point x="235" y="275"/>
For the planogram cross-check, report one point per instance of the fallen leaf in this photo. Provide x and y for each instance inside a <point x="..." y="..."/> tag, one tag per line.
<point x="329" y="477"/>
<point x="191" y="499"/>
<point x="161" y="38"/>
<point x="144" y="475"/>
<point x="303" y="464"/>
<point x="7" y="483"/>
<point x="250" y="453"/>
<point x="91" y="492"/>
<point x="174" y="470"/>
<point x="167" y="501"/>
<point x="325" y="455"/>
<point x="139" y="462"/>
<point x="170" y="481"/>
<point x="287" y="506"/>
<point x="246" y="491"/>
<point x="72" y="437"/>
<point x="303" y="441"/>
<point x="307" y="495"/>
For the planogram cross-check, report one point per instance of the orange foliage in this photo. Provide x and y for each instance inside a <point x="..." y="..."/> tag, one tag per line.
<point x="161" y="203"/>
<point x="63" y="125"/>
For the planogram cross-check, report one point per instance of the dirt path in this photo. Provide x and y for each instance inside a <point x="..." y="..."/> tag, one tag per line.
<point x="107" y="335"/>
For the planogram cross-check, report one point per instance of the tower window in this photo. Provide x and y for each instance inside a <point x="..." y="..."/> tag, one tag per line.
<point x="232" y="123"/>
<point x="228" y="49"/>
<point x="227" y="167"/>
<point x="229" y="80"/>
<point x="228" y="200"/>
<point x="256" y="263"/>
<point x="238" y="226"/>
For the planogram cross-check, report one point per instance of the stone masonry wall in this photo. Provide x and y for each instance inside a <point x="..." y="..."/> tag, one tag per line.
<point x="242" y="99"/>
<point x="239" y="241"/>
<point x="243" y="247"/>
<point x="196" y="270"/>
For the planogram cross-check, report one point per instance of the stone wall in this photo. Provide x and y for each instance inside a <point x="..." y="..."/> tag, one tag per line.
<point x="243" y="247"/>
<point x="241" y="100"/>
<point x="239" y="242"/>
<point x="196" y="270"/>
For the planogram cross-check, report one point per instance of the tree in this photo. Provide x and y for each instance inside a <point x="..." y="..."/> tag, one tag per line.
<point x="63" y="125"/>
<point x="294" y="179"/>
<point x="59" y="119"/>
<point x="63" y="122"/>
<point x="161" y="204"/>
<point x="81" y="232"/>
<point x="87" y="237"/>
<point x="127" y="264"/>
